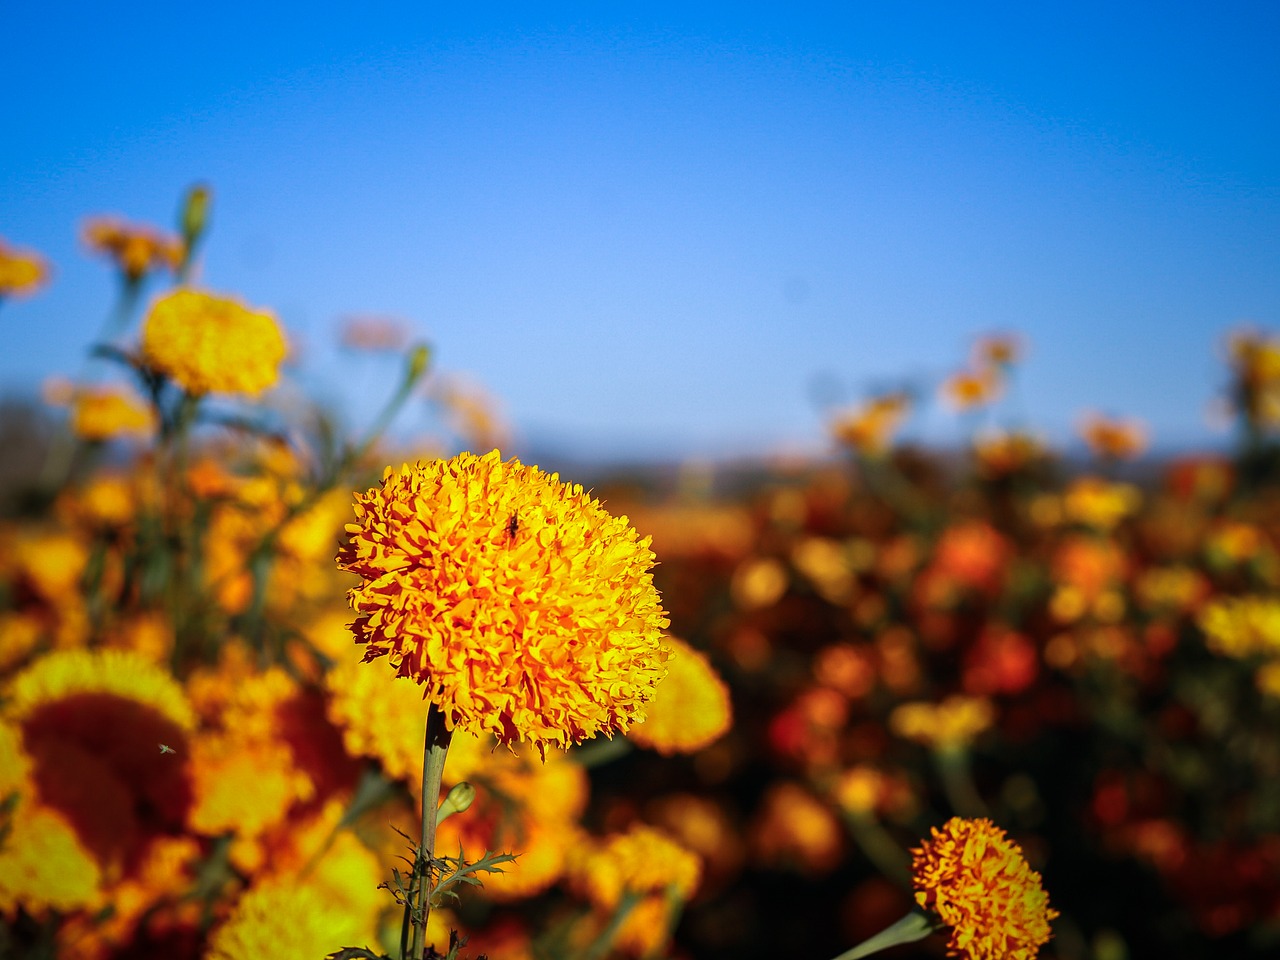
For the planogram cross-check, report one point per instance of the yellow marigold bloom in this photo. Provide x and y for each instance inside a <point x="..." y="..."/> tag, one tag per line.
<point x="975" y="878"/>
<point x="121" y="673"/>
<point x="952" y="724"/>
<point x="1002" y="452"/>
<point x="283" y="922"/>
<point x="137" y="249"/>
<point x="1113" y="439"/>
<point x="212" y="344"/>
<point x="1097" y="503"/>
<point x="869" y="429"/>
<point x="51" y="563"/>
<point x="21" y="271"/>
<point x="100" y="413"/>
<point x="690" y="708"/>
<point x="968" y="390"/>
<point x="1242" y="626"/>
<point x="794" y="828"/>
<point x="758" y="582"/>
<point x="43" y="865"/>
<point x="521" y="606"/>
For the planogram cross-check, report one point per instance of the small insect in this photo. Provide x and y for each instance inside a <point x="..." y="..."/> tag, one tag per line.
<point x="513" y="527"/>
<point x="165" y="748"/>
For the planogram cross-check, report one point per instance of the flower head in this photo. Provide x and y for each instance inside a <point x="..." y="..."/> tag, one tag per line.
<point x="869" y="429"/>
<point x="975" y="879"/>
<point x="212" y="344"/>
<point x="136" y="248"/>
<point x="520" y="605"/>
<point x="690" y="708"/>
<point x="100" y="413"/>
<point x="21" y="271"/>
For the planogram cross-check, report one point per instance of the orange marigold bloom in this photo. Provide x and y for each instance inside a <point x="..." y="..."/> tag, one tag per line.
<point x="21" y="271"/>
<point x="521" y="606"/>
<point x="100" y="413"/>
<point x="870" y="428"/>
<point x="212" y="344"/>
<point x="690" y="708"/>
<point x="136" y="248"/>
<point x="1112" y="438"/>
<point x="975" y="878"/>
<point x="969" y="390"/>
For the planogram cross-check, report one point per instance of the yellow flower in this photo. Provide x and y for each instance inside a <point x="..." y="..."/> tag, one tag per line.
<point x="212" y="344"/>
<point x="644" y="863"/>
<point x="968" y="390"/>
<point x="521" y="606"/>
<point x="283" y="921"/>
<point x="136" y="248"/>
<point x="869" y="429"/>
<point x="1098" y="503"/>
<point x="975" y="878"/>
<point x="100" y="413"/>
<point x="949" y="725"/>
<point x="1242" y="626"/>
<point x="690" y="708"/>
<point x="21" y="271"/>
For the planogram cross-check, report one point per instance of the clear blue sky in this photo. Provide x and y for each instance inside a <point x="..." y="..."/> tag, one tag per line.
<point x="652" y="228"/>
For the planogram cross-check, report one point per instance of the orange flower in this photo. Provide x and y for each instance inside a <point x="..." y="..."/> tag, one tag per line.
<point x="869" y="428"/>
<point x="1113" y="439"/>
<point x="522" y="608"/>
<point x="100" y="413"/>
<point x="968" y="390"/>
<point x="137" y="249"/>
<point x="975" y="879"/>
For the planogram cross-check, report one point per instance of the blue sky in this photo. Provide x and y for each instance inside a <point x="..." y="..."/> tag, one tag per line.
<point x="652" y="229"/>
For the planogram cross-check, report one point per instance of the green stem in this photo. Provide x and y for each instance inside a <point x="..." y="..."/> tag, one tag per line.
<point x="600" y="946"/>
<point x="916" y="925"/>
<point x="433" y="756"/>
<point x="880" y="848"/>
<point x="957" y="783"/>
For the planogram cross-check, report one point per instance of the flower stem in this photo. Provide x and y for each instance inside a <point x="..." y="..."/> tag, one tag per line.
<point x="433" y="754"/>
<point x="916" y="925"/>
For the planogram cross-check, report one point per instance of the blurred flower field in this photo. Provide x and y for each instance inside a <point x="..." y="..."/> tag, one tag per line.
<point x="990" y="704"/>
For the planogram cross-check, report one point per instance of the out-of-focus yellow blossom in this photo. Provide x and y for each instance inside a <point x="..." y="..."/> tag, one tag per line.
<point x="19" y="635"/>
<point x="997" y="350"/>
<point x="1267" y="679"/>
<point x="702" y="825"/>
<point x="869" y="429"/>
<point x="379" y="719"/>
<point x="696" y="530"/>
<point x="690" y="709"/>
<point x="1099" y="503"/>
<point x="43" y="865"/>
<point x="795" y="829"/>
<point x="102" y="413"/>
<point x="22" y="272"/>
<point x="972" y="876"/>
<point x="1113" y="439"/>
<point x="1233" y="542"/>
<point x="758" y="582"/>
<point x="1003" y="452"/>
<point x="968" y="390"/>
<point x="286" y="920"/>
<point x="1178" y="588"/>
<point x="212" y="344"/>
<point x="107" y="500"/>
<point x="1242" y="626"/>
<point x="826" y="563"/>
<point x="864" y="791"/>
<point x="524" y="609"/>
<point x="1255" y="363"/>
<point x="950" y="725"/>
<point x="51" y="562"/>
<point x="137" y="249"/>
<point x="642" y="862"/>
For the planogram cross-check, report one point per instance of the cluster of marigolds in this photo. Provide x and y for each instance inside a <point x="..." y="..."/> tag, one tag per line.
<point x="809" y="711"/>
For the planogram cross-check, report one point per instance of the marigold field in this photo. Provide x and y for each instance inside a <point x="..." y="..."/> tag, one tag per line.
<point x="987" y="703"/>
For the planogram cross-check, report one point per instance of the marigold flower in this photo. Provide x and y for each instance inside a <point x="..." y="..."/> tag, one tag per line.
<point x="212" y="344"/>
<point x="968" y="390"/>
<point x="1098" y="503"/>
<point x="286" y="920"/>
<point x="794" y="828"/>
<point x="1112" y="438"/>
<point x="1000" y="453"/>
<point x="869" y="429"/>
<point x="137" y="249"/>
<point x="1242" y="626"/>
<point x="100" y="413"/>
<point x="954" y="723"/>
<point x="690" y="708"/>
<point x="975" y="879"/>
<point x="997" y="350"/>
<point x="21" y="271"/>
<point x="521" y="606"/>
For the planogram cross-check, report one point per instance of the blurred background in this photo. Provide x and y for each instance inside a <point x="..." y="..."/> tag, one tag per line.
<point x="669" y="232"/>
